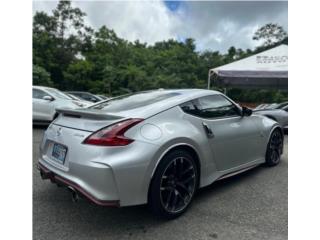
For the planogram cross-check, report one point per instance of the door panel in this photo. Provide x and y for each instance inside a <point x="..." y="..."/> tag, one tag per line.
<point x="235" y="141"/>
<point x="43" y="110"/>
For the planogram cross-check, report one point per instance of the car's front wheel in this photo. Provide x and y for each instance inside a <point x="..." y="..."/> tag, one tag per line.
<point x="174" y="184"/>
<point x="274" y="148"/>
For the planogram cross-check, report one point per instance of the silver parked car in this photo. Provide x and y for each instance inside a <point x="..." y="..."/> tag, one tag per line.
<point x="156" y="147"/>
<point x="46" y="100"/>
<point x="277" y="112"/>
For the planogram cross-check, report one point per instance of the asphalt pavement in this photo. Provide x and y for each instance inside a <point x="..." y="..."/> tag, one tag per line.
<point x="252" y="205"/>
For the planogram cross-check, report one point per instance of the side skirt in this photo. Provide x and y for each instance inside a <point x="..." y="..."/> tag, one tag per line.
<point x="236" y="172"/>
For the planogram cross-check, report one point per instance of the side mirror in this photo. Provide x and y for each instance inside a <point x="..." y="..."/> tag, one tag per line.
<point x="246" y="111"/>
<point x="48" y="98"/>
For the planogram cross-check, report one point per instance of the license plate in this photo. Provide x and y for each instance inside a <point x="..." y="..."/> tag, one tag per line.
<point x="59" y="152"/>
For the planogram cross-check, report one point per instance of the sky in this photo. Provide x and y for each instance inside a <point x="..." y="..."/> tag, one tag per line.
<point x="215" y="25"/>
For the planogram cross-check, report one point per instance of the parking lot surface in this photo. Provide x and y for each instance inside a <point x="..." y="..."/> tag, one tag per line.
<point x="252" y="205"/>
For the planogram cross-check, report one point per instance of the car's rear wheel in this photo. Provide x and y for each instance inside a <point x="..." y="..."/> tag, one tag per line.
<point x="274" y="148"/>
<point x="174" y="184"/>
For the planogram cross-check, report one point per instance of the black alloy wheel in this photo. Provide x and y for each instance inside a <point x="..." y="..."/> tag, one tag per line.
<point x="174" y="184"/>
<point x="274" y="149"/>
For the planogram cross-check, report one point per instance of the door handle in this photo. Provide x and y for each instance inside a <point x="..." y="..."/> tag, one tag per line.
<point x="208" y="130"/>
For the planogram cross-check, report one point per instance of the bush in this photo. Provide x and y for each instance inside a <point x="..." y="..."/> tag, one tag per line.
<point x="41" y="77"/>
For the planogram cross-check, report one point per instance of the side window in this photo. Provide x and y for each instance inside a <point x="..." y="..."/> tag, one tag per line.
<point x="38" y="94"/>
<point x="214" y="106"/>
<point x="85" y="96"/>
<point x="190" y="108"/>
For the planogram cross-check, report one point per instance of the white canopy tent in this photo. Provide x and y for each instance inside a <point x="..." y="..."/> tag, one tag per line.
<point x="268" y="69"/>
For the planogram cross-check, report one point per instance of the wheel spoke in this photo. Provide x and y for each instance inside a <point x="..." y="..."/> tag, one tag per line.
<point x="180" y="195"/>
<point x="169" y="198"/>
<point x="183" y="187"/>
<point x="174" y="167"/>
<point x="166" y="188"/>
<point x="175" y="199"/>
<point x="186" y="171"/>
<point x="275" y="156"/>
<point x="188" y="179"/>
<point x="180" y="168"/>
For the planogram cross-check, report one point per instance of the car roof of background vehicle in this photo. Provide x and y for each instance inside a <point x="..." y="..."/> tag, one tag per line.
<point x="72" y="96"/>
<point x="42" y="87"/>
<point x="79" y="92"/>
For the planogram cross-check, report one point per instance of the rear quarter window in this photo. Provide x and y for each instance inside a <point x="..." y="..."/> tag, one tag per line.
<point x="132" y="101"/>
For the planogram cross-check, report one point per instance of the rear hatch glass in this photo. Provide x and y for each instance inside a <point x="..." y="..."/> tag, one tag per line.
<point x="133" y="101"/>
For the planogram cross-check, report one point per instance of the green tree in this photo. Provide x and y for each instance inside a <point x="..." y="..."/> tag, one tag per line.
<point x="41" y="77"/>
<point x="78" y="75"/>
<point x="76" y="57"/>
<point x="58" y="39"/>
<point x="270" y="33"/>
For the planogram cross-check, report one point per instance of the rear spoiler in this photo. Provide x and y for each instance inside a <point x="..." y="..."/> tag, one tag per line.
<point x="87" y="113"/>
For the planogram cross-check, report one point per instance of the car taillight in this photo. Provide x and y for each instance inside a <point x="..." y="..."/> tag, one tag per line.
<point x="113" y="135"/>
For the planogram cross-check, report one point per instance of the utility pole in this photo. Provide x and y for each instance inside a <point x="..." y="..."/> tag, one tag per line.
<point x="209" y="79"/>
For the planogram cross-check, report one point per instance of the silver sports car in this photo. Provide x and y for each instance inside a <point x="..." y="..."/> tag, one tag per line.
<point x="156" y="147"/>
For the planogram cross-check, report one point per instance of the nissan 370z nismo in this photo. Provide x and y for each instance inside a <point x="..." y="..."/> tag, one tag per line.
<point x="156" y="147"/>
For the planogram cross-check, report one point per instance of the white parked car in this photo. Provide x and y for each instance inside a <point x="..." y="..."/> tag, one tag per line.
<point x="78" y="99"/>
<point x="45" y="100"/>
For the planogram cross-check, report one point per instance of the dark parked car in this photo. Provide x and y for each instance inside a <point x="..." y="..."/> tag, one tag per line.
<point x="277" y="112"/>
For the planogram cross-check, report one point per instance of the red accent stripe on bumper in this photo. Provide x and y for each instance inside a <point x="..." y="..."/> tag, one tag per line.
<point x="47" y="174"/>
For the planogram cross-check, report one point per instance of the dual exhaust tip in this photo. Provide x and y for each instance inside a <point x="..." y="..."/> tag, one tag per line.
<point x="74" y="195"/>
<point x="48" y="175"/>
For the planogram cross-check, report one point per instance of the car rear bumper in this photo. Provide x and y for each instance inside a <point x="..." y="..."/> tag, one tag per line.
<point x="78" y="187"/>
<point x="107" y="173"/>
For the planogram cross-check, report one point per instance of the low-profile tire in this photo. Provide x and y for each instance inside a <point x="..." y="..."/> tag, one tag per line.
<point x="173" y="185"/>
<point x="274" y="148"/>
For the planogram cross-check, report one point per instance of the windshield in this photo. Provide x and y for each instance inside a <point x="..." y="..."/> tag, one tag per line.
<point x="132" y="101"/>
<point x="58" y="94"/>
